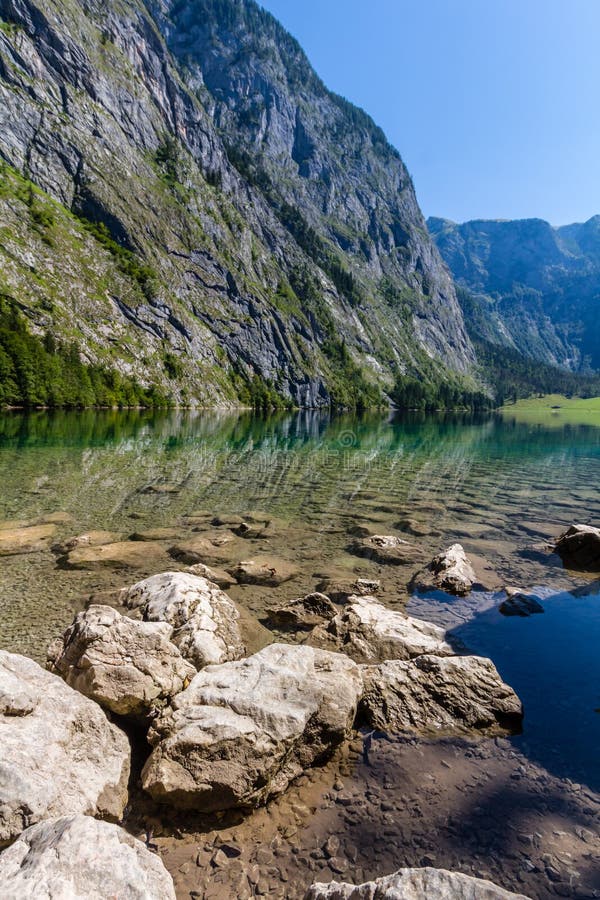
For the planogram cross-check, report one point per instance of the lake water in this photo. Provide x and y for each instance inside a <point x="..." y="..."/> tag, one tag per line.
<point x="500" y="488"/>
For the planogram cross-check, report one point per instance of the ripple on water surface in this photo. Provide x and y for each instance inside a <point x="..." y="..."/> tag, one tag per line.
<point x="500" y="488"/>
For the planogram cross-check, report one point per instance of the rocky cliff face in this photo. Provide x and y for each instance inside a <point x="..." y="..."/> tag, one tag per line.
<point x="182" y="196"/>
<point x="534" y="287"/>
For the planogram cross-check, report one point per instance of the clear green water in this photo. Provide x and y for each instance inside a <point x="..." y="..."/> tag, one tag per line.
<point x="499" y="487"/>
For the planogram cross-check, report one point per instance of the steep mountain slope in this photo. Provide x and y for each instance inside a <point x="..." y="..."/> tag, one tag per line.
<point x="532" y="286"/>
<point x="209" y="217"/>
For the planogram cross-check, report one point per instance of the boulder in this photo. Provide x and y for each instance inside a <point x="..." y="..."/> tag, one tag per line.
<point x="369" y="632"/>
<point x="78" y="858"/>
<point x="340" y="589"/>
<point x="218" y="576"/>
<point x="209" y="547"/>
<point x="518" y="603"/>
<point x="205" y="621"/>
<point x="117" y="555"/>
<point x="243" y="730"/>
<point x="268" y="571"/>
<point x="305" y="612"/>
<point x="23" y="538"/>
<point x="414" y="884"/>
<point x="450" y="571"/>
<point x="59" y="753"/>
<point x="127" y="666"/>
<point x="439" y="694"/>
<point x="386" y="549"/>
<point x="579" y="548"/>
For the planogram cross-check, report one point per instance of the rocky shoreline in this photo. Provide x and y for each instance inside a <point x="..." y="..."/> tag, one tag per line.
<point x="225" y="715"/>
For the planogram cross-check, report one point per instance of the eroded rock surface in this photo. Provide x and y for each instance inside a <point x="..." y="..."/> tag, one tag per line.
<point x="367" y="631"/>
<point x="579" y="548"/>
<point x="79" y="858"/>
<point x="59" y="753"/>
<point x="414" y="884"/>
<point x="449" y="571"/>
<point x="439" y="694"/>
<point x="127" y="666"/>
<point x="243" y="730"/>
<point x="205" y="621"/>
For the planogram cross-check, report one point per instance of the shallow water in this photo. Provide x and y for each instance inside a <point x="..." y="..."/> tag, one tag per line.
<point x="500" y="488"/>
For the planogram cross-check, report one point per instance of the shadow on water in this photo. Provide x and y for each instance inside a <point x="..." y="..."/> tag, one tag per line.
<point x="553" y="663"/>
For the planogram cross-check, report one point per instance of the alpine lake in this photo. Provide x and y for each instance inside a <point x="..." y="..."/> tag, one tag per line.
<point x="522" y="811"/>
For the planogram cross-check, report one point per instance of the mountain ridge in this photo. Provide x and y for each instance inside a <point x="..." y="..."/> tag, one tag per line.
<point x="234" y="244"/>
<point x="533" y="287"/>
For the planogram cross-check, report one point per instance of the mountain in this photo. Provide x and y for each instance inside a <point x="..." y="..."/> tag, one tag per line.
<point x="529" y="286"/>
<point x="183" y="200"/>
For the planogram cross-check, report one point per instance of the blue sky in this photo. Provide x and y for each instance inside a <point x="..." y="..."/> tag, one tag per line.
<point x="493" y="104"/>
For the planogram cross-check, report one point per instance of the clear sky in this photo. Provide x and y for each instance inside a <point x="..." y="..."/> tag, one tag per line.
<point x="493" y="104"/>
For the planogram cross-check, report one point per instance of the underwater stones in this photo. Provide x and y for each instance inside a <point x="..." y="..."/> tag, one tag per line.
<point x="579" y="548"/>
<point x="24" y="538"/>
<point x="449" y="571"/>
<point x="386" y="549"/>
<point x="118" y="555"/>
<point x="205" y="621"/>
<point x="89" y="539"/>
<point x="243" y="730"/>
<point x="209" y="547"/>
<point x="268" y="571"/>
<point x="129" y="667"/>
<point x="79" y="858"/>
<point x="59" y="754"/>
<point x="439" y="694"/>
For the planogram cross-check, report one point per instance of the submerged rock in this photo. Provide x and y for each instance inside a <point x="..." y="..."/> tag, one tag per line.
<point x="367" y="632"/>
<point x="518" y="603"/>
<point x="450" y="571"/>
<point x="205" y="621"/>
<point x="59" y="753"/>
<point x="127" y="666"/>
<point x="79" y="858"/>
<point x="117" y="555"/>
<point x="386" y="549"/>
<point x="243" y="730"/>
<point x="414" y="884"/>
<point x="23" y="538"/>
<point x="269" y="571"/>
<point x="89" y="539"/>
<point x="209" y="547"/>
<point x="433" y="693"/>
<point x="579" y="548"/>
<point x="305" y="612"/>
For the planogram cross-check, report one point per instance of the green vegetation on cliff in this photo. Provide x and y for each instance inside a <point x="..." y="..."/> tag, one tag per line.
<point x="38" y="371"/>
